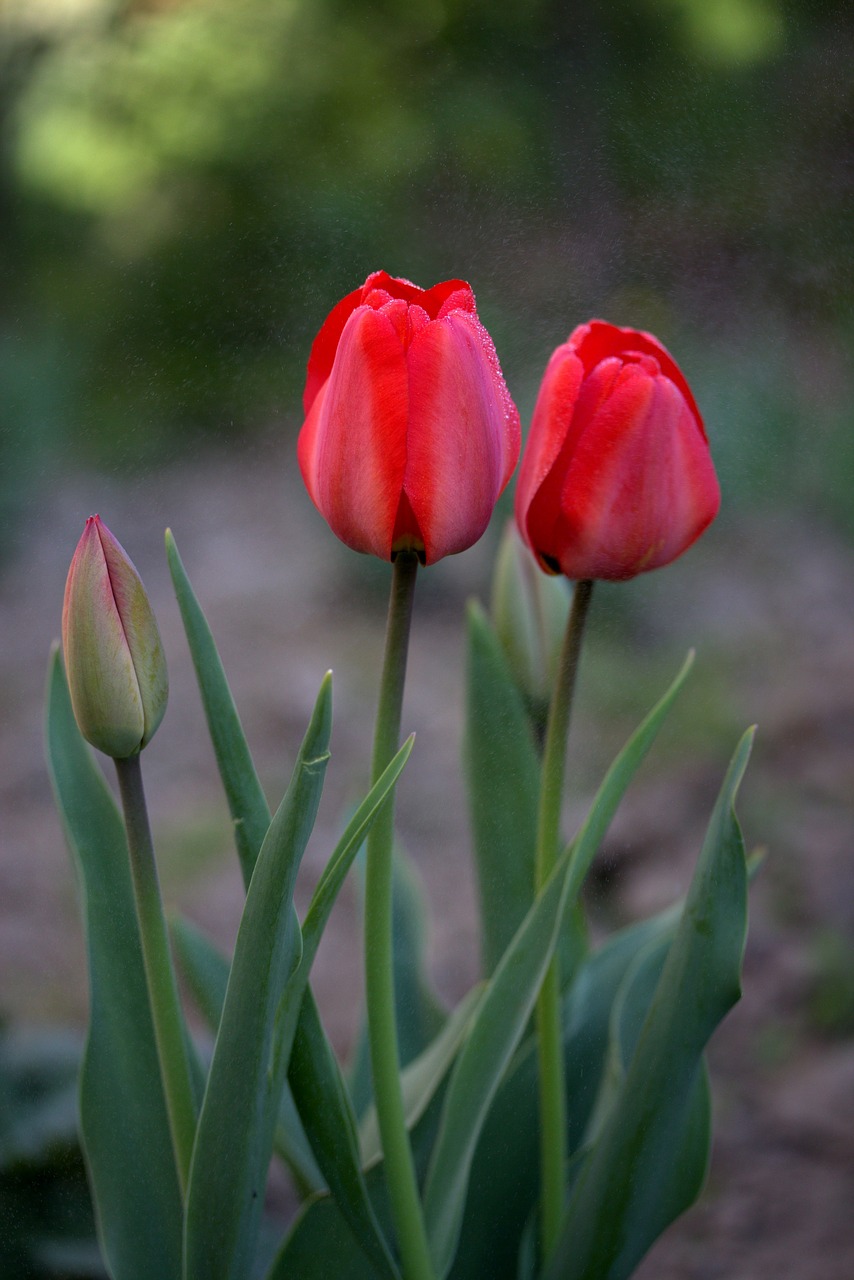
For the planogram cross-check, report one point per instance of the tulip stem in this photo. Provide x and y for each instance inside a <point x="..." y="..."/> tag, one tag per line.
<point x="553" y="1139"/>
<point x="169" y="1031"/>
<point x="379" y="946"/>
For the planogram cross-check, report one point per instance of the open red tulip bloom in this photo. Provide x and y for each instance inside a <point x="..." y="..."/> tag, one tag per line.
<point x="617" y="477"/>
<point x="410" y="432"/>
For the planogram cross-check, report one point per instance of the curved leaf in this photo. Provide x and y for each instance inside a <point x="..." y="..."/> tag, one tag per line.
<point x="503" y="1192"/>
<point x="615" y="1211"/>
<point x="122" y="1109"/>
<point x="509" y="998"/>
<point x="235" y="1133"/>
<point x="502" y="772"/>
<point x="205" y="970"/>
<point x="324" y="1104"/>
<point x="249" y="810"/>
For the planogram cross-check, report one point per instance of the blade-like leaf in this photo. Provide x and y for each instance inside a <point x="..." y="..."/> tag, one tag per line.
<point x="335" y="871"/>
<point x="122" y="1109"/>
<point x="509" y="997"/>
<point x="502" y="1193"/>
<point x="495" y="1032"/>
<point x="502" y="782"/>
<point x="601" y="812"/>
<point x="247" y="804"/>
<point x="251" y="817"/>
<point x="206" y="971"/>
<point x="321" y="1246"/>
<point x="324" y="1105"/>
<point x="235" y="1134"/>
<point x="615" y="1211"/>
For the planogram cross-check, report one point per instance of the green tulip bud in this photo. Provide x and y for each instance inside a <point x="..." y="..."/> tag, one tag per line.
<point x="529" y="609"/>
<point x="113" y="655"/>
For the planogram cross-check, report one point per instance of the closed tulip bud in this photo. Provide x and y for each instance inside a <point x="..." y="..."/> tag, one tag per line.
<point x="529" y="610"/>
<point x="410" y="432"/>
<point x="113" y="655"/>
<point x="617" y="478"/>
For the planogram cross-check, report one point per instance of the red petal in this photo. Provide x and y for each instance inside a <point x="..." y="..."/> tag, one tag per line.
<point x="352" y="448"/>
<point x="550" y="427"/>
<point x="463" y="438"/>
<point x="640" y="487"/>
<point x="325" y="345"/>
<point x="597" y="340"/>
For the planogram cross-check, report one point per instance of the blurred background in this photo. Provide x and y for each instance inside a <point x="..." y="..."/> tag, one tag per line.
<point x="186" y="188"/>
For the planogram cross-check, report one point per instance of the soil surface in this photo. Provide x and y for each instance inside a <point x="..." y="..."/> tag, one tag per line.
<point x="768" y="602"/>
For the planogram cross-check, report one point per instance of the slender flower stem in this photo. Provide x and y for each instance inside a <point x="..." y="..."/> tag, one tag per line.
<point x="379" y="958"/>
<point x="553" y="1151"/>
<point x="160" y="976"/>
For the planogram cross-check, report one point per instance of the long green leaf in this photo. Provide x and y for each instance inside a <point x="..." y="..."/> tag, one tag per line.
<point x="586" y="844"/>
<point x="320" y="1244"/>
<point x="251" y="818"/>
<point x="502" y="783"/>
<point x="502" y="1192"/>
<point x="322" y="1100"/>
<point x="247" y="804"/>
<point x="314" y="1080"/>
<point x="509" y="998"/>
<point x="615" y="1211"/>
<point x="235" y="1133"/>
<point x="335" y="871"/>
<point x="123" y="1114"/>
<point x="206" y="970"/>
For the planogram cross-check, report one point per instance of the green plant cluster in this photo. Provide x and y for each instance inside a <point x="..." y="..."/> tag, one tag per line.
<point x="637" y="1012"/>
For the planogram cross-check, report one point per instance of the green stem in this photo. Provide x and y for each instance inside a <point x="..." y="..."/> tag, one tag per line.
<point x="379" y="957"/>
<point x="553" y="1151"/>
<point x="160" y="976"/>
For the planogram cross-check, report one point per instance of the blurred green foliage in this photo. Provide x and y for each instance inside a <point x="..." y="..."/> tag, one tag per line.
<point x="187" y="185"/>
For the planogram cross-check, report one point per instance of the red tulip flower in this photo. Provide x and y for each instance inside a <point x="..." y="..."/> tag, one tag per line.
<point x="617" y="477"/>
<point x="410" y="432"/>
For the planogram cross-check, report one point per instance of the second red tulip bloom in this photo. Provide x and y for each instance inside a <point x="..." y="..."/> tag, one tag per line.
<point x="617" y="477"/>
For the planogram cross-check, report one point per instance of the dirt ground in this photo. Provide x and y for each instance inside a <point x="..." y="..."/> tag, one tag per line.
<point x="768" y="602"/>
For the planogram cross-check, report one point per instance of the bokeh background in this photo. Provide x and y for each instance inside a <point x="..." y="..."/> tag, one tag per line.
<point x="186" y="187"/>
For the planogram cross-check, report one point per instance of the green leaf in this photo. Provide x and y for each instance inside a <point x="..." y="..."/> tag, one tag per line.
<point x="206" y="970"/>
<point x="324" y="1104"/>
<point x="616" y="1210"/>
<point x="495" y="1032"/>
<point x="502" y="775"/>
<point x="249" y="810"/>
<point x="584" y="847"/>
<point x="122" y="1109"/>
<point x="419" y="1014"/>
<point x="335" y="871"/>
<point x="321" y="1246"/>
<point x="317" y="1097"/>
<point x="421" y="1079"/>
<point x="237" y="1121"/>
<point x="503" y="1192"/>
<point x="509" y="998"/>
<point x="251" y="818"/>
